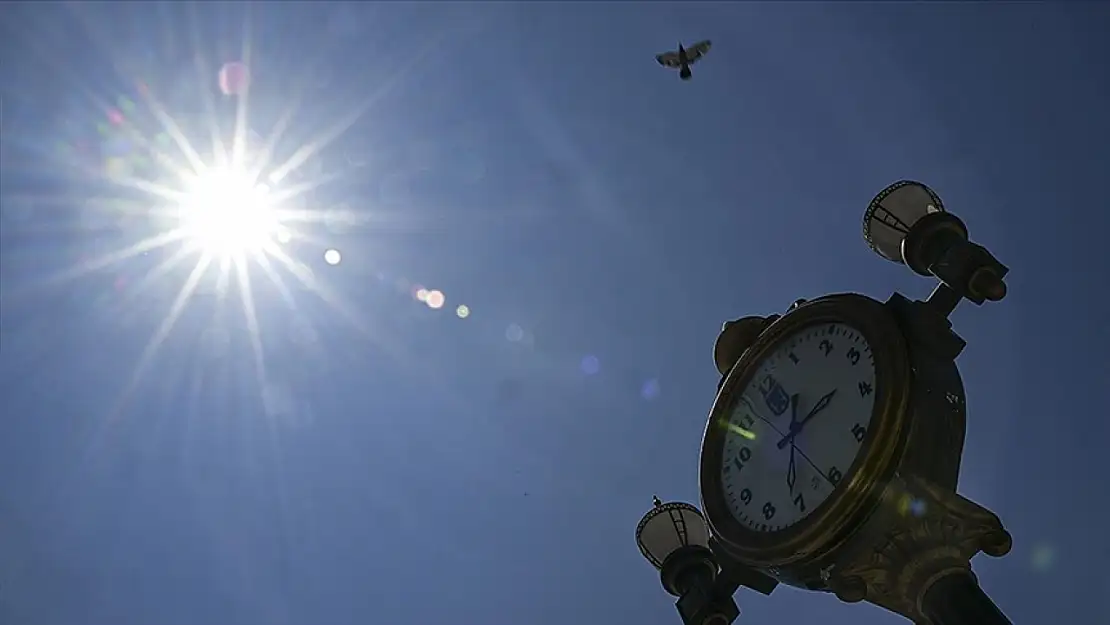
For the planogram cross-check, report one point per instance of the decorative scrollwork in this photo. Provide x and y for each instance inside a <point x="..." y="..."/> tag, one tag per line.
<point x="923" y="532"/>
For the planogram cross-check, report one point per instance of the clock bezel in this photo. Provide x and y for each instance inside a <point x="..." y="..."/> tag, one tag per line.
<point x="857" y="494"/>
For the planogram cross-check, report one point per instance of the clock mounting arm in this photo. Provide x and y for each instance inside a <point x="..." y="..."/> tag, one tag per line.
<point x="907" y="223"/>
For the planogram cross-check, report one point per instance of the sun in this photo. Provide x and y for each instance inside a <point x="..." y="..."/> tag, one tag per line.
<point x="226" y="213"/>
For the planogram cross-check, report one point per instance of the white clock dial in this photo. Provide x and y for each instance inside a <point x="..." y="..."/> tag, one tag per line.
<point x="798" y="426"/>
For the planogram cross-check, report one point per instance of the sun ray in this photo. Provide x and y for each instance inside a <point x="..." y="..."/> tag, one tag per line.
<point x="279" y="282"/>
<point x="153" y="188"/>
<point x="352" y="218"/>
<point x="294" y="191"/>
<point x="184" y="294"/>
<point x="266" y="151"/>
<point x="265" y="154"/>
<point x="106" y="260"/>
<point x="203" y="70"/>
<point x="223" y="279"/>
<point x="98" y="101"/>
<point x="156" y="272"/>
<point x="322" y="140"/>
<point x="103" y="42"/>
<point x="170" y="126"/>
<point x="305" y="276"/>
<point x="149" y="350"/>
<point x="239" y="143"/>
<point x="247" y="297"/>
<point x="53" y="212"/>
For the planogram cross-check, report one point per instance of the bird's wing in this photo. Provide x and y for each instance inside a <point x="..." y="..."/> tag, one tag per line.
<point x="697" y="50"/>
<point x="668" y="59"/>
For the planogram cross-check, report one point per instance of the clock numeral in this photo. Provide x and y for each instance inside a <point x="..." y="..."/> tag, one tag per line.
<point x="744" y="456"/>
<point x="835" y="476"/>
<point x="746" y="496"/>
<point x="768" y="511"/>
<point x="793" y="357"/>
<point x="746" y="422"/>
<point x="859" y="432"/>
<point x="865" y="389"/>
<point x="800" y="502"/>
<point x="826" y="346"/>
<point x="853" y="355"/>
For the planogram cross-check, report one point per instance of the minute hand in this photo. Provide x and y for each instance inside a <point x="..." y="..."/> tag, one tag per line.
<point x="796" y="428"/>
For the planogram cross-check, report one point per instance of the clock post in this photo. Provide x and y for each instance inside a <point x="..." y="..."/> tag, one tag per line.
<point x="916" y="560"/>
<point x="885" y="524"/>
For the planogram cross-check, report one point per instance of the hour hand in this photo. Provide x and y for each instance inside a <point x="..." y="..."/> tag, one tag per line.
<point x="791" y="470"/>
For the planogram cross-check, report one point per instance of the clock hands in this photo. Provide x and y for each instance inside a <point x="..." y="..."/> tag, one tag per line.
<point x="748" y="402"/>
<point x="796" y="426"/>
<point x="792" y="469"/>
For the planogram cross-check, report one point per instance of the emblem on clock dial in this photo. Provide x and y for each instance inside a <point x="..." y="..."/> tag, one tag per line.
<point x="794" y="431"/>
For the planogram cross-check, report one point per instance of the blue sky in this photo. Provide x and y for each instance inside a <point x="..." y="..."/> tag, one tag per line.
<point x="361" y="457"/>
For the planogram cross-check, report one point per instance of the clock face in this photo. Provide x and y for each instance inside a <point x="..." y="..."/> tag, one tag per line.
<point x="798" y="426"/>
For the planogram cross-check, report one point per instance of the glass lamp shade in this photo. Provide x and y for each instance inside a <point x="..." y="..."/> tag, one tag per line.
<point x="668" y="527"/>
<point x="892" y="213"/>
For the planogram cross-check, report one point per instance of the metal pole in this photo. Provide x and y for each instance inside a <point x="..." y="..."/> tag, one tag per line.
<point x="957" y="599"/>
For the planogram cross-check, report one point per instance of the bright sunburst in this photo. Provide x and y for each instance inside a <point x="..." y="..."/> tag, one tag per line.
<point x="226" y="213"/>
<point x="206" y="207"/>
<point x="223" y="219"/>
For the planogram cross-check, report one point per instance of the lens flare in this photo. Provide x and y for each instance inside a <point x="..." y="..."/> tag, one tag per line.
<point x="234" y="78"/>
<point x="591" y="365"/>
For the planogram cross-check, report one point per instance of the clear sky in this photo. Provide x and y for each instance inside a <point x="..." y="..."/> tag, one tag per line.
<point x="338" y="452"/>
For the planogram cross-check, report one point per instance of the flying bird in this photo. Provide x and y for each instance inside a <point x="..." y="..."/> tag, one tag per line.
<point x="683" y="58"/>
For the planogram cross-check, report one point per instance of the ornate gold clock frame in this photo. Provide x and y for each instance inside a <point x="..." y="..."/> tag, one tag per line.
<point x="894" y="532"/>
